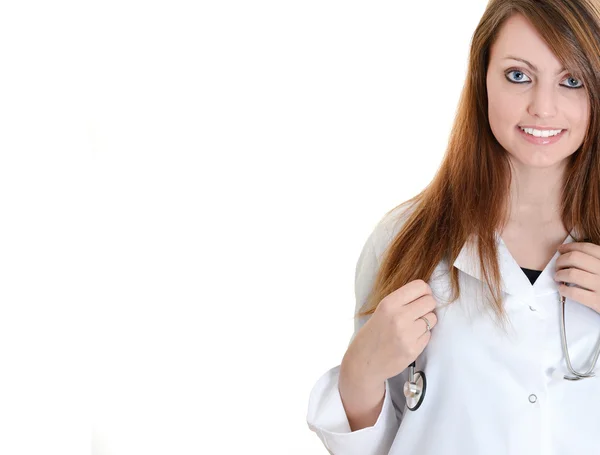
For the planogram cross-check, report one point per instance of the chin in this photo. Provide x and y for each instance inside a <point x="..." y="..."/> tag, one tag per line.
<point x="536" y="159"/>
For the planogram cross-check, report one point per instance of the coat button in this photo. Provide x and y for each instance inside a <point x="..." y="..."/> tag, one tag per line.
<point x="532" y="398"/>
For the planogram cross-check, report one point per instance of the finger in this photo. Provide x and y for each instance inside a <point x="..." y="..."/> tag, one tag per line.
<point x="579" y="277"/>
<point x="587" y="298"/>
<point x="418" y="328"/>
<point x="579" y="260"/>
<point x="420" y="307"/>
<point x="411" y="292"/>
<point x="431" y="317"/>
<point x="588" y="248"/>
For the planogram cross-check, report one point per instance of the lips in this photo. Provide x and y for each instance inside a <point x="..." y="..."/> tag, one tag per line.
<point x="541" y="140"/>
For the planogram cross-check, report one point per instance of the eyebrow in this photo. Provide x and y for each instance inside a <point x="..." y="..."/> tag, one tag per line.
<point x="530" y="65"/>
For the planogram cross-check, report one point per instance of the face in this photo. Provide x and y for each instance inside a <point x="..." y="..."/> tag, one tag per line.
<point x="519" y="95"/>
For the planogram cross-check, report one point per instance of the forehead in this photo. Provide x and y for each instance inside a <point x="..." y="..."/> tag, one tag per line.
<point x="518" y="37"/>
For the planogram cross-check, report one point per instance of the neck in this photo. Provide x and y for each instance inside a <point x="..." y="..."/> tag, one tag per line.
<point x="536" y="196"/>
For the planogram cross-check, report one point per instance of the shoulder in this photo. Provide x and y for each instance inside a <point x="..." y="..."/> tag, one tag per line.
<point x="388" y="227"/>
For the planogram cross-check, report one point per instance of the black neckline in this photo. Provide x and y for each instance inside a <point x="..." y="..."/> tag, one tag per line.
<point x="531" y="274"/>
<point x="532" y="270"/>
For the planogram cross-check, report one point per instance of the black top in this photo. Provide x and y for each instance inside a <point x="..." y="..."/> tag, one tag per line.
<point x="531" y="274"/>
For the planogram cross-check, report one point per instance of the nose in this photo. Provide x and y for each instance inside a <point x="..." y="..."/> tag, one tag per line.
<point x="543" y="100"/>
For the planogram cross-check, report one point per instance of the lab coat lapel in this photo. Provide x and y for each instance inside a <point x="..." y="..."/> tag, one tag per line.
<point x="513" y="279"/>
<point x="545" y="283"/>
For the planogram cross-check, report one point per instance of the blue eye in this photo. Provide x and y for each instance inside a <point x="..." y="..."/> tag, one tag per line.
<point x="573" y="79"/>
<point x="519" y="75"/>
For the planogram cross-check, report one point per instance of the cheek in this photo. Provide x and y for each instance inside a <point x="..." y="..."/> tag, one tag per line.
<point x="584" y="117"/>
<point x="503" y="111"/>
<point x="578" y="115"/>
<point x="502" y="105"/>
<point x="578" y="129"/>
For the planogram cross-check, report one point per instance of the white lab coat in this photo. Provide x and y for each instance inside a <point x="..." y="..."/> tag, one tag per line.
<point x="487" y="392"/>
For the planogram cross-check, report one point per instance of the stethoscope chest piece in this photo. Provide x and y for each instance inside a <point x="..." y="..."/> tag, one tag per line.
<point x="414" y="388"/>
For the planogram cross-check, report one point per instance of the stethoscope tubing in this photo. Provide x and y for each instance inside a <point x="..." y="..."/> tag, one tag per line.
<point x="563" y="336"/>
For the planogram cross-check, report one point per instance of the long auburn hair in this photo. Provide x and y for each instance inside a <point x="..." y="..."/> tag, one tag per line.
<point x="469" y="194"/>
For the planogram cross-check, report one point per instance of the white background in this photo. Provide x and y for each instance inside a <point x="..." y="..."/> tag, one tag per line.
<point x="185" y="188"/>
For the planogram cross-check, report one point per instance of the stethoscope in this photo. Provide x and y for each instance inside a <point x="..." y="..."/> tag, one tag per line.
<point x="563" y="337"/>
<point x="415" y="387"/>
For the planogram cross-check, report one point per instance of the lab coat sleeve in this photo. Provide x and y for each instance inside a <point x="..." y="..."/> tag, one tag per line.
<point x="327" y="418"/>
<point x="326" y="414"/>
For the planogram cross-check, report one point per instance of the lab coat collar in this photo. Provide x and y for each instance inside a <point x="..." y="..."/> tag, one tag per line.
<point x="514" y="280"/>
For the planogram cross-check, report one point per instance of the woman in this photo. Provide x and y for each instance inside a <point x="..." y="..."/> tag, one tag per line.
<point x="467" y="278"/>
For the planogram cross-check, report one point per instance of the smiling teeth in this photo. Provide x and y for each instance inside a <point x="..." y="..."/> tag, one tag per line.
<point x="540" y="133"/>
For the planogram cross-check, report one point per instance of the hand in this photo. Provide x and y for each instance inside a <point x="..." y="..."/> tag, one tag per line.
<point x="579" y="264"/>
<point x="394" y="335"/>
